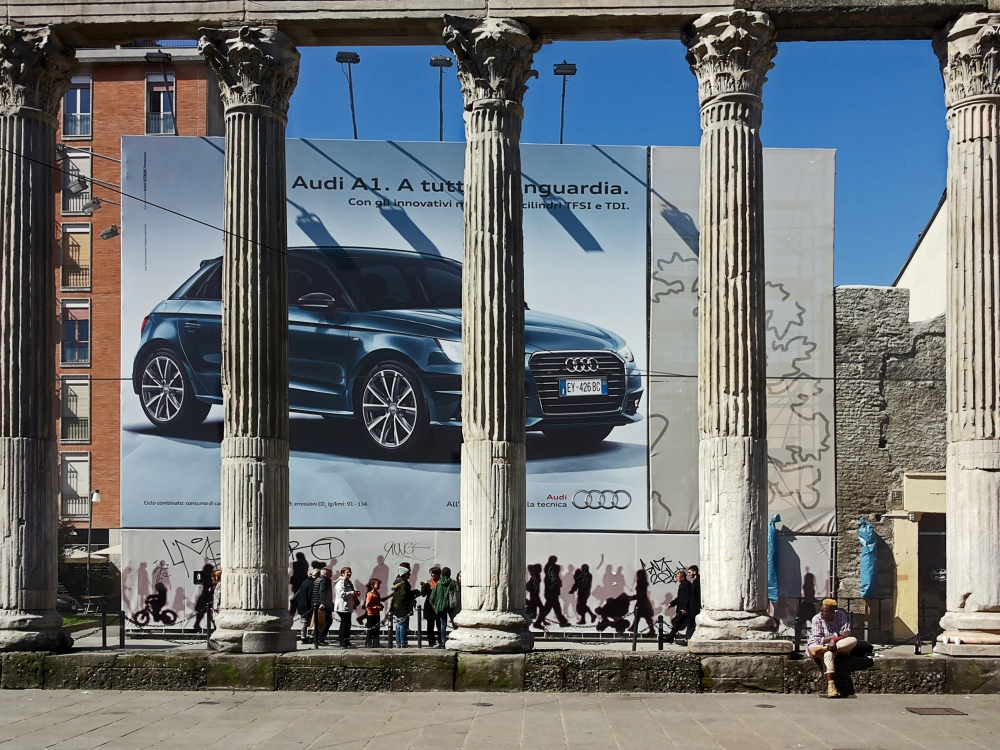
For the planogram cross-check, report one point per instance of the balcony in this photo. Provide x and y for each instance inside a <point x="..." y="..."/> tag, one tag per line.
<point x="75" y="430"/>
<point x="75" y="506"/>
<point x="159" y="123"/>
<point x="73" y="204"/>
<point x="75" y="276"/>
<point x="75" y="352"/>
<point x="76" y="125"/>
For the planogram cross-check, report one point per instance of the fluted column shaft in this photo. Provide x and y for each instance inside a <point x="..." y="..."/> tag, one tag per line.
<point x="968" y="49"/>
<point x="494" y="61"/>
<point x="730" y="53"/>
<point x="35" y="72"/>
<point x="257" y="69"/>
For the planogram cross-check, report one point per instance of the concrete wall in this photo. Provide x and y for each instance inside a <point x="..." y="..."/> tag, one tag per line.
<point x="890" y="414"/>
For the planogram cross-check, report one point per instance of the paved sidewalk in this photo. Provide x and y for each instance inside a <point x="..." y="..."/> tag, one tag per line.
<point x="350" y="721"/>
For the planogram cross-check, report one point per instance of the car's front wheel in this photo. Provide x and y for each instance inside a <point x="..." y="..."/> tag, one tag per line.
<point x="392" y="409"/>
<point x="578" y="437"/>
<point x="166" y="395"/>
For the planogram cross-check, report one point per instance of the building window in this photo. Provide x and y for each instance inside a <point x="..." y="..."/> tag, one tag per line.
<point x="160" y="100"/>
<point x="76" y="108"/>
<point x="76" y="331"/>
<point x="74" y="470"/>
<point x="74" y="415"/>
<point x="76" y="182"/>
<point x="75" y="257"/>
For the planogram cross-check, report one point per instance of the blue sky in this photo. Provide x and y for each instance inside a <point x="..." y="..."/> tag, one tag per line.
<point x="880" y="104"/>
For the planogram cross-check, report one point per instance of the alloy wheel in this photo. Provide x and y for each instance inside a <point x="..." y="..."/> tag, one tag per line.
<point x="162" y="388"/>
<point x="389" y="406"/>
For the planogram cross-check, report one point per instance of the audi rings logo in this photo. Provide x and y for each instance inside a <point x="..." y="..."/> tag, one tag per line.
<point x="602" y="499"/>
<point x="581" y="364"/>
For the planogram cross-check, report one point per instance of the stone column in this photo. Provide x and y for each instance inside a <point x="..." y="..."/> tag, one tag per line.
<point x="257" y="71"/>
<point x="35" y="72"/>
<point x="730" y="54"/>
<point x="968" y="51"/>
<point x="494" y="62"/>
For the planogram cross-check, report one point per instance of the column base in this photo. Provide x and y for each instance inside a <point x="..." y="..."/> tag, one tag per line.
<point x="485" y="632"/>
<point x="20" y="631"/>
<point x="242" y="632"/>
<point x="971" y="628"/>
<point x="723" y="625"/>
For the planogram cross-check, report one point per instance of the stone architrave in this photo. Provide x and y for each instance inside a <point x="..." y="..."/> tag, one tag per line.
<point x="35" y="72"/>
<point x="969" y="50"/>
<point x="730" y="54"/>
<point x="494" y="63"/>
<point x="257" y="70"/>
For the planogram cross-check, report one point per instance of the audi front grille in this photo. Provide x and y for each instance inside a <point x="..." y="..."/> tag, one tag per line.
<point x="548" y="368"/>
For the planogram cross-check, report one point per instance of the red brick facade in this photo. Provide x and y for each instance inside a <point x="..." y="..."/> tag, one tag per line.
<point x="118" y="108"/>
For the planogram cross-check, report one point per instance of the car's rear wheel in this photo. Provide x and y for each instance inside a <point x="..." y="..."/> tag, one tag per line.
<point x="578" y="437"/>
<point x="166" y="395"/>
<point x="392" y="409"/>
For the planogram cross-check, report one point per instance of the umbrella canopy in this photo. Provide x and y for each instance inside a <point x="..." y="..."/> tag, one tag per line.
<point x="116" y="550"/>
<point x="79" y="556"/>
<point x="772" y="558"/>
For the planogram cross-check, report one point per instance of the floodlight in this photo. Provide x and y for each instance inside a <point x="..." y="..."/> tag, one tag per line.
<point x="110" y="232"/>
<point x="159" y="58"/>
<point x="441" y="61"/>
<point x="564" y="69"/>
<point x="351" y="58"/>
<point x="90" y="206"/>
<point x="77" y="186"/>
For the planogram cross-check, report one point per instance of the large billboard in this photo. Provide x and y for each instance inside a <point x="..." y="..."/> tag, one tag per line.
<point x="798" y="254"/>
<point x="375" y="238"/>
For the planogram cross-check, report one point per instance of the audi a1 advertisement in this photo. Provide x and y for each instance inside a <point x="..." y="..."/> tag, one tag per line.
<point x="374" y="260"/>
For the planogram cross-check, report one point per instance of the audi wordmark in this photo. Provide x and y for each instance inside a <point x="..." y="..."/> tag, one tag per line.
<point x="375" y="337"/>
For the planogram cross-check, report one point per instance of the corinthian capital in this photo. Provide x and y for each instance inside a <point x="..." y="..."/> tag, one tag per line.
<point x="968" y="49"/>
<point x="258" y="66"/>
<point x="35" y="69"/>
<point x="730" y="53"/>
<point x="494" y="59"/>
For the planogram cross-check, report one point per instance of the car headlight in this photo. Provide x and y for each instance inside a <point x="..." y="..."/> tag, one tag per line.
<point x="626" y="354"/>
<point x="452" y="349"/>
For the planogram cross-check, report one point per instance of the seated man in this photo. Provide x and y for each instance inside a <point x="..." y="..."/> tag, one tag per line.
<point x="831" y="637"/>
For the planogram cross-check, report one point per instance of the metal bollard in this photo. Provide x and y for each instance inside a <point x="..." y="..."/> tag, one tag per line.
<point x="635" y="629"/>
<point x="420" y="627"/>
<point x="659" y="633"/>
<point x="121" y="629"/>
<point x="315" y="626"/>
<point x="104" y="628"/>
<point x="392" y="631"/>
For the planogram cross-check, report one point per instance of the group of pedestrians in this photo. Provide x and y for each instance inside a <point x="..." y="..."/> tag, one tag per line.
<point x="686" y="605"/>
<point x="442" y="601"/>
<point x="319" y="600"/>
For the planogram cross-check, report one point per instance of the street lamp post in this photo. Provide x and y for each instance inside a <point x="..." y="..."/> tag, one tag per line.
<point x="564" y="69"/>
<point x="349" y="59"/>
<point x="441" y="62"/>
<point x="95" y="497"/>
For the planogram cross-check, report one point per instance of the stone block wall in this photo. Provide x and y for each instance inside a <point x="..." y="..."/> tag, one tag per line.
<point x="890" y="417"/>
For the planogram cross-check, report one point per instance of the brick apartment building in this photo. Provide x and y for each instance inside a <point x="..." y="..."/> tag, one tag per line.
<point x="131" y="90"/>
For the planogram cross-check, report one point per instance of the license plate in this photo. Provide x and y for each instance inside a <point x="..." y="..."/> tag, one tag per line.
<point x="583" y="387"/>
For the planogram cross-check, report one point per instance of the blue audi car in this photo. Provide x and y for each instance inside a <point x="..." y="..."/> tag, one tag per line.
<point x="375" y="337"/>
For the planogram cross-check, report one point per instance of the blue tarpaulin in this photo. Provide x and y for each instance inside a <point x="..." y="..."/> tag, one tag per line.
<point x="866" y="533"/>
<point x="772" y="558"/>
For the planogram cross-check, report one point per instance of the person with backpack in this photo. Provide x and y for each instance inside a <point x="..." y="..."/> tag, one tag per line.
<point x="443" y="598"/>
<point x="321" y="602"/>
<point x="402" y="604"/>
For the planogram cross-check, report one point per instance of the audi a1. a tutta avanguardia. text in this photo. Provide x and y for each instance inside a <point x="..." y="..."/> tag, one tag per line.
<point x="375" y="336"/>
